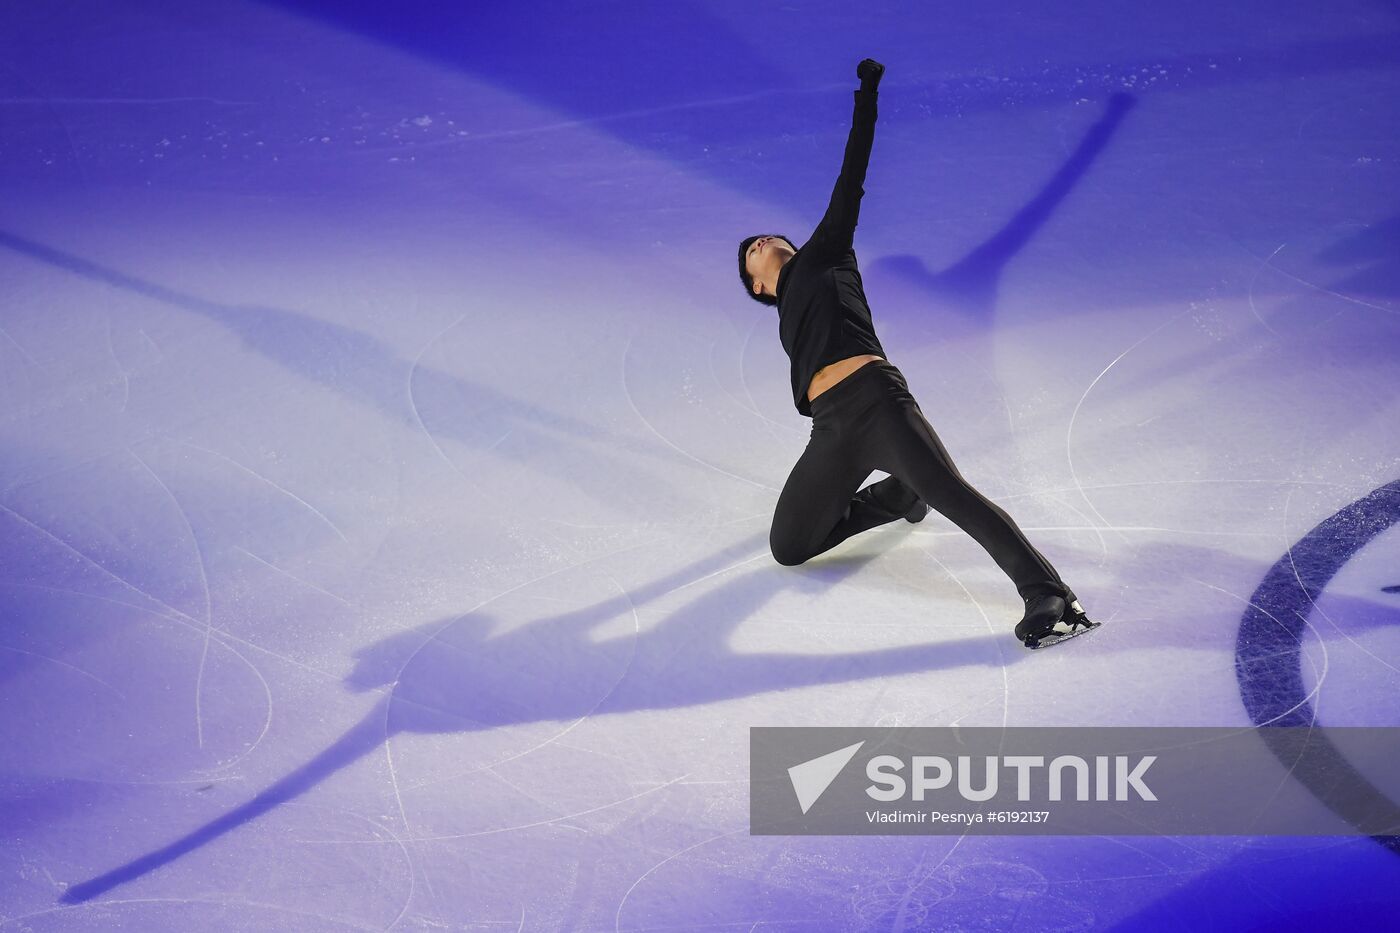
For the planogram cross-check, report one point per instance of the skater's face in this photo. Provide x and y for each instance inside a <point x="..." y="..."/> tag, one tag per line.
<point x="765" y="260"/>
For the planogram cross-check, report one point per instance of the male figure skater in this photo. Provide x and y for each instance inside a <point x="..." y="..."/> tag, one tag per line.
<point x="863" y="416"/>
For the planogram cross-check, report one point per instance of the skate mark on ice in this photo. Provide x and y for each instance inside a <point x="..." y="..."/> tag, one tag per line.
<point x="151" y="340"/>
<point x="71" y="667"/>
<point x="497" y="830"/>
<point x="86" y="559"/>
<point x="1089" y="523"/>
<point x="418" y="416"/>
<point x="171" y="614"/>
<point x="720" y="384"/>
<point x="267" y="719"/>
<point x="1069" y="434"/>
<point x="554" y="819"/>
<point x="22" y="351"/>
<point x="112" y="352"/>
<point x="1302" y="702"/>
<point x="393" y="772"/>
<point x="1319" y="288"/>
<point x="208" y="601"/>
<point x="403" y="815"/>
<point x="709" y="576"/>
<point x="1171" y="482"/>
<point x="1339" y="630"/>
<point x="192" y="625"/>
<point x="617" y="921"/>
<point x="986" y="620"/>
<point x="744" y="380"/>
<point x="1253" y="280"/>
<point x="282" y="489"/>
<point x="1156" y="529"/>
<point x="652" y="428"/>
<point x="290" y="576"/>
<point x="526" y="794"/>
<point x="375" y="827"/>
<point x="174" y="615"/>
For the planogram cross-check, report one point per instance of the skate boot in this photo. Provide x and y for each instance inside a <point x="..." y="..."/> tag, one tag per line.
<point x="1050" y="619"/>
<point x="913" y="514"/>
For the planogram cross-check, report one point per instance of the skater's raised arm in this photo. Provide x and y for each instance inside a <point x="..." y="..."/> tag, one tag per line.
<point x="836" y="232"/>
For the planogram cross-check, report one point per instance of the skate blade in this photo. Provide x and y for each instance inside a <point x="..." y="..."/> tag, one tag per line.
<point x="1054" y="638"/>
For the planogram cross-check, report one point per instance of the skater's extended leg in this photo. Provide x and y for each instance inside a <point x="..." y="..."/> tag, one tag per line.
<point x="908" y="446"/>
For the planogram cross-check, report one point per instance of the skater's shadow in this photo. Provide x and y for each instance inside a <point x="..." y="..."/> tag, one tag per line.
<point x="478" y="672"/>
<point x="445" y="405"/>
<point x="969" y="286"/>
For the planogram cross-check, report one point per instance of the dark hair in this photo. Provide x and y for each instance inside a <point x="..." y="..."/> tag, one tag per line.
<point x="744" y="270"/>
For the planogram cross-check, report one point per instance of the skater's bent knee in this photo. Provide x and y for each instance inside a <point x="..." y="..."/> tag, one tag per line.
<point x="786" y="554"/>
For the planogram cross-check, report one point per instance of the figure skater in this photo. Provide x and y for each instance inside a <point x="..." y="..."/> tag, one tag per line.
<point x="863" y="416"/>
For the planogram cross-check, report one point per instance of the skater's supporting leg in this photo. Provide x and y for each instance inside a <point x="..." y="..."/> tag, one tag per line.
<point x="819" y="507"/>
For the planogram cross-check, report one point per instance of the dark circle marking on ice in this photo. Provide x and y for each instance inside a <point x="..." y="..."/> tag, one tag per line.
<point x="1269" y="660"/>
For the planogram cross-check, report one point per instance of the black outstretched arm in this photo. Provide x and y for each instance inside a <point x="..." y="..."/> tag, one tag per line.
<point x="836" y="232"/>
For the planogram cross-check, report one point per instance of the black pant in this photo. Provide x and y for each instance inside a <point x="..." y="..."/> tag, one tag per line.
<point x="869" y="421"/>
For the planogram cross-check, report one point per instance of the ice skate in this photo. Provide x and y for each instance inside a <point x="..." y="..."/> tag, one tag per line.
<point x="1049" y="620"/>
<point x="913" y="514"/>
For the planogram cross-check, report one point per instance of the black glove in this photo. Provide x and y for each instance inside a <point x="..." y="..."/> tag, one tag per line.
<point x="870" y="71"/>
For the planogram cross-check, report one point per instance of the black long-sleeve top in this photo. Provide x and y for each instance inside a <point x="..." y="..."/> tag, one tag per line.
<point x="822" y="313"/>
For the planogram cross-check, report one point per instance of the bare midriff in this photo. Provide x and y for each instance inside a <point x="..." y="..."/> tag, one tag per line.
<point x="832" y="373"/>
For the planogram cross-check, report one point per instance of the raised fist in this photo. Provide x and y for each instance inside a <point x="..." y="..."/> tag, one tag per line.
<point x="869" y="71"/>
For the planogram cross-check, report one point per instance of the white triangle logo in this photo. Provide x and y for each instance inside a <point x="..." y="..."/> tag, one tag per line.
<point x="811" y="778"/>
